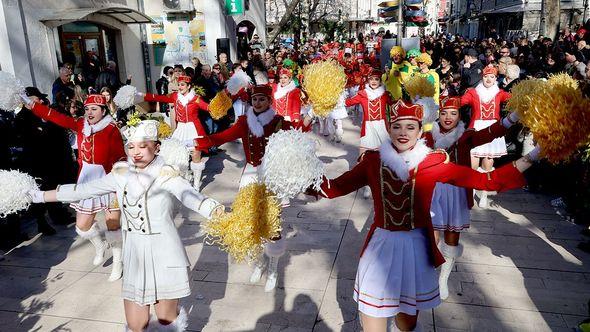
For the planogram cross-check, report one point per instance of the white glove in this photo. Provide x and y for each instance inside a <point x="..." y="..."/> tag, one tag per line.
<point x="36" y="196"/>
<point x="534" y="155"/>
<point x="140" y="94"/>
<point x="510" y="119"/>
<point x="25" y="98"/>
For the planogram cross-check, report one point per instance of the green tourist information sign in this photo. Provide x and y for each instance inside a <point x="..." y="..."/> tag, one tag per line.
<point x="234" y="7"/>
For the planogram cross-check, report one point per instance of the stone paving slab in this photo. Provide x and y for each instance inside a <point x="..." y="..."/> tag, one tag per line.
<point x="521" y="270"/>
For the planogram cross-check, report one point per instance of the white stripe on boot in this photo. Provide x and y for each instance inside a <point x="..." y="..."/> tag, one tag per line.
<point x="450" y="253"/>
<point x="100" y="246"/>
<point x="115" y="241"/>
<point x="197" y="169"/>
<point x="274" y="250"/>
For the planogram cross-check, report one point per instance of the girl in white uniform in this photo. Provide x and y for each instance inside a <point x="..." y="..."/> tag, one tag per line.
<point x="154" y="260"/>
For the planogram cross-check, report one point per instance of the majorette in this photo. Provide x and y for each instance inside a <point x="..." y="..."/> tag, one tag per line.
<point x="450" y="204"/>
<point x="396" y="270"/>
<point x="99" y="147"/>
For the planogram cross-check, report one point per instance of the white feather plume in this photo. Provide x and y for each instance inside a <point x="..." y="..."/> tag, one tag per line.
<point x="125" y="97"/>
<point x="176" y="154"/>
<point x="13" y="196"/>
<point x="290" y="164"/>
<point x="430" y="108"/>
<point x="238" y="81"/>
<point x="10" y="90"/>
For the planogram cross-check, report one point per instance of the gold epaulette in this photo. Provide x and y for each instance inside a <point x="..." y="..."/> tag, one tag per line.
<point x="169" y="171"/>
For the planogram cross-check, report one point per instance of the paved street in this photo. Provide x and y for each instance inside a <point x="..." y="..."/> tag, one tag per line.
<point x="521" y="270"/>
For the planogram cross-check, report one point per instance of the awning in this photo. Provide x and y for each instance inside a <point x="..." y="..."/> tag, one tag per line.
<point x="122" y="14"/>
<point x="513" y="9"/>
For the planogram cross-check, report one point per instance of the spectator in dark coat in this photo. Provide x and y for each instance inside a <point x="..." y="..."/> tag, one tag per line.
<point x="162" y="87"/>
<point x="46" y="155"/>
<point x="472" y="69"/>
<point x="110" y="78"/>
<point x="62" y="84"/>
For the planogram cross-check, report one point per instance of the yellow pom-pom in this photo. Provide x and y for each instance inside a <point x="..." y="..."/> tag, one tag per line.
<point x="520" y="101"/>
<point x="324" y="82"/>
<point x="562" y="79"/>
<point x="254" y="220"/>
<point x="557" y="114"/>
<point x="419" y="86"/>
<point x="397" y="50"/>
<point x="219" y="105"/>
<point x="164" y="130"/>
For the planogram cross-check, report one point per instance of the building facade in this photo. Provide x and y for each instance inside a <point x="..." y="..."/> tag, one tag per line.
<point x="507" y="18"/>
<point x="140" y="36"/>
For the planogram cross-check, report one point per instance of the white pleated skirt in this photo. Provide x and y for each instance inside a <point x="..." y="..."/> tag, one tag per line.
<point x="493" y="149"/>
<point x="186" y="133"/>
<point x="339" y="113"/>
<point x="91" y="172"/>
<point x="449" y="209"/>
<point x="395" y="275"/>
<point x="375" y="134"/>
<point x="154" y="268"/>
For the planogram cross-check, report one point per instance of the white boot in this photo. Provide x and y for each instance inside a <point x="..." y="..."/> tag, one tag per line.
<point x="178" y="325"/>
<point x="100" y="246"/>
<point x="273" y="250"/>
<point x="259" y="268"/>
<point x="451" y="253"/>
<point x="339" y="131"/>
<point x="367" y="192"/>
<point x="115" y="241"/>
<point x="197" y="169"/>
<point x="483" y="195"/>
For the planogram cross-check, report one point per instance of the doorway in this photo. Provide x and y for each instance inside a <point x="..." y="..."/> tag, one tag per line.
<point x="88" y="47"/>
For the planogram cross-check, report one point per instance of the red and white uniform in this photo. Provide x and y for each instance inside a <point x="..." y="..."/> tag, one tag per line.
<point x="450" y="204"/>
<point x="99" y="146"/>
<point x="287" y="101"/>
<point x="374" y="103"/>
<point x="254" y="130"/>
<point x="186" y="110"/>
<point x="396" y="270"/>
<point x="485" y="110"/>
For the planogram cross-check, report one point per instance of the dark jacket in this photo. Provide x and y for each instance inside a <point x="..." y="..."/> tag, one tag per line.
<point x="471" y="76"/>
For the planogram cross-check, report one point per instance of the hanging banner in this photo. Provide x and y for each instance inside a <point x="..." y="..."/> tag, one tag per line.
<point x="234" y="7"/>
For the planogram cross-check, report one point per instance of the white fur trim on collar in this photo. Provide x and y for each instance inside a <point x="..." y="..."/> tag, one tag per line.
<point x="446" y="140"/>
<point x="284" y="90"/>
<point x="184" y="99"/>
<point x="373" y="94"/>
<point x="256" y="123"/>
<point x="486" y="94"/>
<point x="401" y="164"/>
<point x="95" y="128"/>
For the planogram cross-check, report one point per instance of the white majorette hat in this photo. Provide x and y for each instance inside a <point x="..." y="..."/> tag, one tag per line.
<point x="146" y="130"/>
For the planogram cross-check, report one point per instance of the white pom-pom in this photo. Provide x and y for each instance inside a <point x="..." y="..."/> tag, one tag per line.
<point x="10" y="90"/>
<point x="176" y="154"/>
<point x="13" y="196"/>
<point x="125" y="97"/>
<point x="430" y="109"/>
<point x="290" y="164"/>
<point x="238" y="81"/>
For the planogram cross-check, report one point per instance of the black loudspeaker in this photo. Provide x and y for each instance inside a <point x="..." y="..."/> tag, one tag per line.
<point x="223" y="46"/>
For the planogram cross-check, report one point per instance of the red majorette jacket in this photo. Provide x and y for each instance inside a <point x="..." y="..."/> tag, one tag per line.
<point x="104" y="146"/>
<point x="484" y="110"/>
<point x="188" y="112"/>
<point x="402" y="191"/>
<point x="254" y="132"/>
<point x="374" y="103"/>
<point x="459" y="142"/>
<point x="287" y="101"/>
